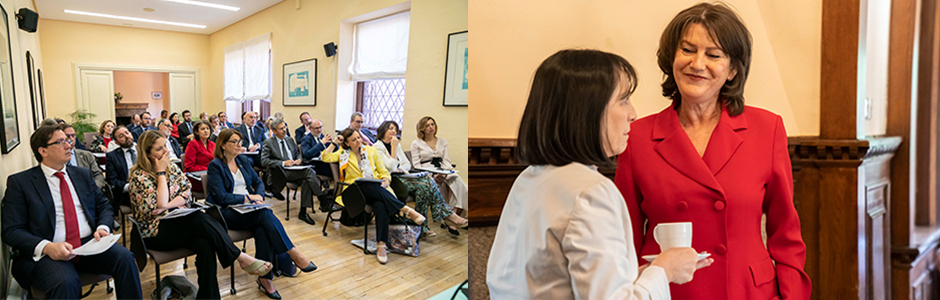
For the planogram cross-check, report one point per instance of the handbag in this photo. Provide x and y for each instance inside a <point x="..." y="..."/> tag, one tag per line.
<point x="403" y="239"/>
<point x="175" y="287"/>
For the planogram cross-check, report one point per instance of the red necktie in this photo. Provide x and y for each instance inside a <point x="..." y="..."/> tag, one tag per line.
<point x="71" y="219"/>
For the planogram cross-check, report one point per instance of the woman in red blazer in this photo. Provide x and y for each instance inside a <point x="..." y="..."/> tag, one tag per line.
<point x="198" y="153"/>
<point x="712" y="161"/>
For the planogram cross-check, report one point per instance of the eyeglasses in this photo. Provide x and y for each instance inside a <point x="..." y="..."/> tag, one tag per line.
<point x="61" y="142"/>
<point x="70" y="135"/>
<point x="235" y="142"/>
<point x="358" y="122"/>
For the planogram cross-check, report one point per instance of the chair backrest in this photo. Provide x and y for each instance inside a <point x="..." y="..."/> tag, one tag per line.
<point x="138" y="247"/>
<point x="205" y="184"/>
<point x="408" y="155"/>
<point x="353" y="200"/>
<point x="88" y="137"/>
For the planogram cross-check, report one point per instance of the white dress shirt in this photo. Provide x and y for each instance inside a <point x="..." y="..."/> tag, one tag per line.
<point x="169" y="147"/>
<point x="239" y="188"/>
<point x="83" y="229"/>
<point x="282" y="144"/>
<point x="565" y="233"/>
<point x="393" y="163"/>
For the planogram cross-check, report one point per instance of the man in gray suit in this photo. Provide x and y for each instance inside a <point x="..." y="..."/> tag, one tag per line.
<point x="82" y="158"/>
<point x="279" y="152"/>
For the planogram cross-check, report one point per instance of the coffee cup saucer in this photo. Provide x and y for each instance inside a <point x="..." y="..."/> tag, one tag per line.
<point x="651" y="257"/>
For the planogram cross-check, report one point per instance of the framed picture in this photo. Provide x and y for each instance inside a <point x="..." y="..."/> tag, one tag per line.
<point x="300" y="83"/>
<point x="455" y="80"/>
<point x="156" y="95"/>
<point x="39" y="108"/>
<point x="9" y="128"/>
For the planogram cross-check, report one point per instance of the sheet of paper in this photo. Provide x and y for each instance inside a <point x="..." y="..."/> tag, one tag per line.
<point x="296" y="167"/>
<point x="414" y="175"/>
<point x="180" y="212"/>
<point x="379" y="181"/>
<point x="246" y="208"/>
<point x="93" y="247"/>
<point x="436" y="171"/>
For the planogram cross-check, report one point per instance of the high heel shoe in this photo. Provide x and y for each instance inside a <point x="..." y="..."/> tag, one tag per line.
<point x="381" y="258"/>
<point x="310" y="268"/>
<point x="274" y="295"/>
<point x="408" y="211"/>
<point x="452" y="223"/>
<point x="450" y="230"/>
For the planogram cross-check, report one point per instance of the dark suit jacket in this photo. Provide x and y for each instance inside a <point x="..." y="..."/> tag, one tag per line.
<point x="299" y="134"/>
<point x="312" y="146"/>
<point x="368" y="134"/>
<point x="229" y="125"/>
<point x="257" y="134"/>
<point x="176" y="146"/>
<point x="79" y="145"/>
<point x="116" y="169"/>
<point x="221" y="182"/>
<point x="184" y="131"/>
<point x="28" y="211"/>
<point x="88" y="161"/>
<point x="137" y="131"/>
<point x="271" y="155"/>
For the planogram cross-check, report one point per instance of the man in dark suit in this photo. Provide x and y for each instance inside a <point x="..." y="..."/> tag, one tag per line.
<point x="146" y="123"/>
<point x="223" y="121"/>
<point x="280" y="152"/>
<point x="82" y="158"/>
<point x="118" y="163"/>
<point x="185" y="129"/>
<point x="135" y="122"/>
<point x="312" y="145"/>
<point x="355" y="122"/>
<point x="51" y="209"/>
<point x="302" y="130"/>
<point x="166" y="127"/>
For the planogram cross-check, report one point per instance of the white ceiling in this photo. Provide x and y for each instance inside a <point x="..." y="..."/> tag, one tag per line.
<point x="214" y="18"/>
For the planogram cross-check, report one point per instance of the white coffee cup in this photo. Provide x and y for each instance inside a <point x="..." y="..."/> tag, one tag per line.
<point x="671" y="235"/>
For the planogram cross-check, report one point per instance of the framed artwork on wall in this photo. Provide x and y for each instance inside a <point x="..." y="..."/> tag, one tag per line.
<point x="156" y="95"/>
<point x="455" y="79"/>
<point x="9" y="128"/>
<point x="39" y="112"/>
<point x="300" y="83"/>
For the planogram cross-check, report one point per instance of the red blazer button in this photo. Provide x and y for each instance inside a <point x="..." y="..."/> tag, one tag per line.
<point x="682" y="206"/>
<point x="719" y="205"/>
<point x="721" y="249"/>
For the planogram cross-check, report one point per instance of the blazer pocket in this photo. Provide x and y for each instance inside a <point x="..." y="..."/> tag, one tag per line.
<point x="763" y="271"/>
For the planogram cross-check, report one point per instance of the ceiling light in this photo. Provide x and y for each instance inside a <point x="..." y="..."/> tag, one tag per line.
<point x="212" y="5"/>
<point x="133" y="19"/>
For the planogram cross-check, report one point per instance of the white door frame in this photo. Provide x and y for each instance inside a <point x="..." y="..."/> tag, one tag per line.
<point x="77" y="78"/>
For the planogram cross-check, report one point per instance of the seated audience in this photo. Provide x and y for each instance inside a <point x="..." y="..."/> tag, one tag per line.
<point x="165" y="126"/>
<point x="118" y="163"/>
<point x="280" y="152"/>
<point x="42" y="247"/>
<point x="355" y="122"/>
<point x="199" y="152"/>
<point x="186" y="129"/>
<point x="164" y="114"/>
<point x="175" y="119"/>
<point x="204" y="116"/>
<point x="78" y="143"/>
<point x="302" y="130"/>
<point x="82" y="158"/>
<point x="429" y="151"/>
<point x="251" y="131"/>
<point x="135" y="122"/>
<point x="146" y="123"/>
<point x="365" y="163"/>
<point x="101" y="141"/>
<point x="427" y="195"/>
<point x="223" y="120"/>
<point x="232" y="181"/>
<point x="216" y="128"/>
<point x="312" y="144"/>
<point x="268" y="130"/>
<point x="157" y="186"/>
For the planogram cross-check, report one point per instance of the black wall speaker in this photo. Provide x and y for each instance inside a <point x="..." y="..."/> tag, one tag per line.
<point x="330" y="49"/>
<point x="27" y="19"/>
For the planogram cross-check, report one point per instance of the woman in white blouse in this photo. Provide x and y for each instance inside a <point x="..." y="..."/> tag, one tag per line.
<point x="430" y="152"/>
<point x="427" y="194"/>
<point x="565" y="231"/>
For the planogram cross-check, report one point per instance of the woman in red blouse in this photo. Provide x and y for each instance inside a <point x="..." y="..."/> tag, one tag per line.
<point x="175" y="120"/>
<point x="199" y="152"/>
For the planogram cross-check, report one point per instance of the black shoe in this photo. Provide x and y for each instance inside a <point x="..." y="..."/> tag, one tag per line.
<point x="310" y="268"/>
<point x="274" y="295"/>
<point x="451" y="231"/>
<point x="278" y="196"/>
<point x="306" y="218"/>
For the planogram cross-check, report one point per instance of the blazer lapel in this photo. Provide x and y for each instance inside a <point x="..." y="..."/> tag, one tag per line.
<point x="45" y="196"/>
<point x="724" y="141"/>
<point x="677" y="150"/>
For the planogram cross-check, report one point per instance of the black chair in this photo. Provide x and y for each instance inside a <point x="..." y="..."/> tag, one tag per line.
<point x="279" y="182"/>
<point x="236" y="235"/>
<point x="354" y="204"/>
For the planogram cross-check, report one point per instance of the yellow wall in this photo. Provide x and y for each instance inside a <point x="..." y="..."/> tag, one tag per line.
<point x="138" y="87"/>
<point x="511" y="38"/>
<point x="299" y="34"/>
<point x="21" y="158"/>
<point x="67" y="43"/>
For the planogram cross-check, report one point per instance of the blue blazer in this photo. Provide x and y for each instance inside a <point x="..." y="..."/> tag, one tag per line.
<point x="311" y="146"/>
<point x="176" y="146"/>
<point x="115" y="172"/>
<point x="221" y="182"/>
<point x="28" y="211"/>
<point x="257" y="134"/>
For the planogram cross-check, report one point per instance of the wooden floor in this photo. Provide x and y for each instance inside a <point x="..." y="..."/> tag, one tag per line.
<point x="344" y="271"/>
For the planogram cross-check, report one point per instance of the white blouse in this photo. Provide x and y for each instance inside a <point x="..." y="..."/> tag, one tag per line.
<point x="421" y="151"/>
<point x="239" y="188"/>
<point x="393" y="163"/>
<point x="565" y="233"/>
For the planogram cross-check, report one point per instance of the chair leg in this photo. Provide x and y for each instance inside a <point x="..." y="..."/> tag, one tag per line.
<point x="185" y="262"/>
<point x="329" y="217"/>
<point x="233" y="290"/>
<point x="287" y="217"/>
<point x="365" y="238"/>
<point x="156" y="269"/>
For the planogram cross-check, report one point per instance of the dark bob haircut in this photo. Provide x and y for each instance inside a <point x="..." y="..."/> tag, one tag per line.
<point x="726" y="29"/>
<point x="562" y="121"/>
<point x="380" y="133"/>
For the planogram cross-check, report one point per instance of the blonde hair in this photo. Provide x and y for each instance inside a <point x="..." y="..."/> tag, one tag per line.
<point x="145" y="143"/>
<point x="103" y="124"/>
<point x="423" y="123"/>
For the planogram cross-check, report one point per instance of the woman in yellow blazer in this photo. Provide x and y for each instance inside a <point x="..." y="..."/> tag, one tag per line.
<point x="353" y="155"/>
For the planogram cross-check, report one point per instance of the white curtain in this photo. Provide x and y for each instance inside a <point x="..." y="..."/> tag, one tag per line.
<point x="248" y="69"/>
<point x="380" y="48"/>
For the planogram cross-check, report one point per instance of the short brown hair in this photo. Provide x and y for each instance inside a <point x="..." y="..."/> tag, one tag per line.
<point x="198" y="123"/>
<point x="40" y="139"/>
<point x="726" y="29"/>
<point x="562" y="121"/>
<point x="223" y="138"/>
<point x="423" y="123"/>
<point x="103" y="124"/>
<point x="346" y="133"/>
<point x="385" y="127"/>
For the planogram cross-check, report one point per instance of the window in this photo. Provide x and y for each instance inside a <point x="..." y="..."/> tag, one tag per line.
<point x="380" y="58"/>
<point x="248" y="77"/>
